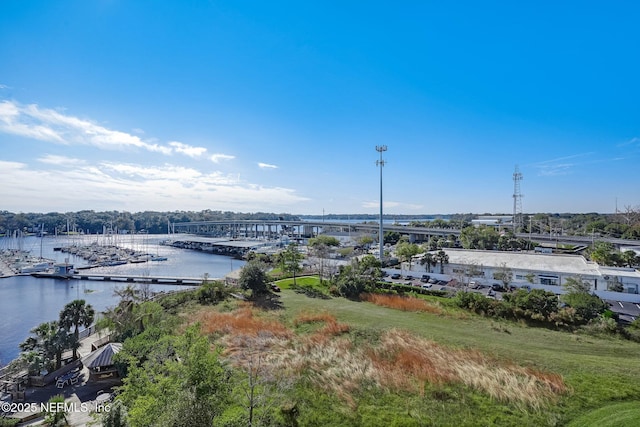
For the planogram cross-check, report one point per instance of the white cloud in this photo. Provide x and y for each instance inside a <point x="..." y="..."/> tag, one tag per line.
<point x="9" y="167"/>
<point x="267" y="166"/>
<point x="132" y="187"/>
<point x="215" y="158"/>
<point x="49" y="125"/>
<point x="187" y="150"/>
<point x="385" y="204"/>
<point x="560" y="165"/>
<point x="52" y="159"/>
<point x="635" y="141"/>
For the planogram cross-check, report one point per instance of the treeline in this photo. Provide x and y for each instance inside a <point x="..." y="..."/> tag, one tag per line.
<point x="624" y="225"/>
<point x="92" y="222"/>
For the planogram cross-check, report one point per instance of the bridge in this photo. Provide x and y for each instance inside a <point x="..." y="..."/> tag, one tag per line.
<point x="274" y="229"/>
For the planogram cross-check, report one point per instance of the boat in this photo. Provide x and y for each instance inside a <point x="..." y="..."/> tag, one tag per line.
<point x="114" y="262"/>
<point x="35" y="267"/>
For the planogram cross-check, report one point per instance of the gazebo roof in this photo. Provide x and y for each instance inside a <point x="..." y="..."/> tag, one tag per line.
<point x="102" y="356"/>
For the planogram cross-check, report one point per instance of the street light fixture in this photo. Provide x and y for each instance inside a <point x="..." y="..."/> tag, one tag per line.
<point x="380" y="149"/>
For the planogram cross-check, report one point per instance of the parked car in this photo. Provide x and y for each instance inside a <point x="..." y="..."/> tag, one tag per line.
<point x="474" y="285"/>
<point x="425" y="278"/>
<point x="432" y="281"/>
<point x="408" y="277"/>
<point x="275" y="288"/>
<point x="427" y="286"/>
<point x="396" y="276"/>
<point x="498" y="287"/>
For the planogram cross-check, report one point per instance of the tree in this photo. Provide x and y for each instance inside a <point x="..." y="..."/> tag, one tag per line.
<point x="467" y="273"/>
<point x="630" y="258"/>
<point x="211" y="292"/>
<point x="537" y="304"/>
<point x="577" y="285"/>
<point x="130" y="317"/>
<point x="254" y="278"/>
<point x="50" y="341"/>
<point x="56" y="418"/>
<point x="391" y="237"/>
<point x="365" y="240"/>
<point x="121" y="318"/>
<point x="292" y="258"/>
<point x="483" y="237"/>
<point x="579" y="297"/>
<point x="429" y="260"/>
<point x="324" y="240"/>
<point x="358" y="277"/>
<point x="406" y="251"/>
<point x="602" y="253"/>
<point x="75" y="314"/>
<point x="116" y="416"/>
<point x="260" y="386"/>
<point x="321" y="246"/>
<point x="504" y="274"/>
<point x="442" y="258"/>
<point x="173" y="380"/>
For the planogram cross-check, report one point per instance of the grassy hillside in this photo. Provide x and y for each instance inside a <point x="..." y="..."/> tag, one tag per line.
<point x="358" y="363"/>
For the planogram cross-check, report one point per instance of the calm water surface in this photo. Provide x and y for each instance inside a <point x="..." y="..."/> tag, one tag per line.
<point x="25" y="302"/>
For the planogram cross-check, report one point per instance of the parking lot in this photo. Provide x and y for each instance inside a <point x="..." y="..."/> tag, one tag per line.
<point x="627" y="311"/>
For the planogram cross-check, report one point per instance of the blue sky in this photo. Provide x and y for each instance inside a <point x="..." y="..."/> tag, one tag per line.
<point x="278" y="106"/>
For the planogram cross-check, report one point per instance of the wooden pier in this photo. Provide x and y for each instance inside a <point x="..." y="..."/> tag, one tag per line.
<point x="125" y="278"/>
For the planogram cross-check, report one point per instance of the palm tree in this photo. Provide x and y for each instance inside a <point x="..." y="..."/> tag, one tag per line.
<point x="50" y="342"/>
<point x="429" y="260"/>
<point x="75" y="314"/>
<point x="442" y="258"/>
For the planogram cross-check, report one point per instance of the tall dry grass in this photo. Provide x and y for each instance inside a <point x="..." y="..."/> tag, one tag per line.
<point x="331" y="325"/>
<point x="403" y="361"/>
<point x="242" y="321"/>
<point x="402" y="303"/>
<point x="399" y="361"/>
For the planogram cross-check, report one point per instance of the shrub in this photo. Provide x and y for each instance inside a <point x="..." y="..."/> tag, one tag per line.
<point x="536" y="305"/>
<point x="175" y="299"/>
<point x="475" y="302"/>
<point x="601" y="325"/>
<point x="587" y="306"/>
<point x="211" y="293"/>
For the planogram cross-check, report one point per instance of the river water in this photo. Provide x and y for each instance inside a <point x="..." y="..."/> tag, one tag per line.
<point x="25" y="301"/>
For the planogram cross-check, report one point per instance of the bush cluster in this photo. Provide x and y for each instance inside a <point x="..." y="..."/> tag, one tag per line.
<point x="541" y="307"/>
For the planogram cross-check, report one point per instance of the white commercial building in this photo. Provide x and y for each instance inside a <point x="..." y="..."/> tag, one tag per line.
<point x="546" y="271"/>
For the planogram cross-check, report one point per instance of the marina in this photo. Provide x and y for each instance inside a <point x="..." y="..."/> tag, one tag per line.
<point x="27" y="301"/>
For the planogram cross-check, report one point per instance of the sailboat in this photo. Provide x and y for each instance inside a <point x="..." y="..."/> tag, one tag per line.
<point x="157" y="256"/>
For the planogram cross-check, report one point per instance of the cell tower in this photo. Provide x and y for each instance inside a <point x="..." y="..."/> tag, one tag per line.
<point x="517" y="200"/>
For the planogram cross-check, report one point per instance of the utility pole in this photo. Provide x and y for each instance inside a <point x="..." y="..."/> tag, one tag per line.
<point x="380" y="149"/>
<point x="517" y="200"/>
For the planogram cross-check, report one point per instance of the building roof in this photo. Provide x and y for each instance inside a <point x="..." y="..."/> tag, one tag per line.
<point x="102" y="356"/>
<point x="567" y="264"/>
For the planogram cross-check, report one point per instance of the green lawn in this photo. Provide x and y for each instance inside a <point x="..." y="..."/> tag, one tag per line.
<point x="599" y="370"/>
<point x="615" y="415"/>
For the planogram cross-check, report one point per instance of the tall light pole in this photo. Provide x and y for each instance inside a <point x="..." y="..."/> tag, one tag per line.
<point x="380" y="149"/>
